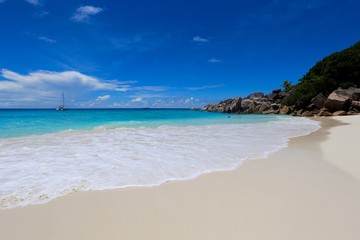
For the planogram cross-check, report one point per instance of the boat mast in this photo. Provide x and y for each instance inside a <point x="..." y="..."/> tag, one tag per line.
<point x="63" y="100"/>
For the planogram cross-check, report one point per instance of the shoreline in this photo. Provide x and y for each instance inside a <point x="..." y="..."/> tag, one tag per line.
<point x="112" y="158"/>
<point x="300" y="192"/>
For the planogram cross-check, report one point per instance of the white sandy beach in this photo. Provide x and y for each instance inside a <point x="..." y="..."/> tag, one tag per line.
<point x="310" y="190"/>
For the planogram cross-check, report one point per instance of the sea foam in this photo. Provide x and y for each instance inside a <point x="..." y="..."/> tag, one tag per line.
<point x="36" y="169"/>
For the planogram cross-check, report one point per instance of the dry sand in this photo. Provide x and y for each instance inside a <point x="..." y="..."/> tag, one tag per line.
<point x="310" y="190"/>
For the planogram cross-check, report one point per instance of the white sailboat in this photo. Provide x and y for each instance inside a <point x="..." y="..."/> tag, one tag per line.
<point x="62" y="107"/>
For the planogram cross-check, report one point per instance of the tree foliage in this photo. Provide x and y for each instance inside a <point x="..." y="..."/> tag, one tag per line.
<point x="287" y="85"/>
<point x="340" y="69"/>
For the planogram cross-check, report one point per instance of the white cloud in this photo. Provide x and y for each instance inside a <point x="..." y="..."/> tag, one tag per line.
<point x="83" y="13"/>
<point x="33" y="2"/>
<point x="205" y="87"/>
<point x="43" y="87"/>
<point x="214" y="60"/>
<point x="71" y="79"/>
<point x="189" y="100"/>
<point x="103" y="98"/>
<point x="42" y="78"/>
<point x="200" y="39"/>
<point x="151" y="88"/>
<point x="125" y="88"/>
<point x="46" y="39"/>
<point x="147" y="95"/>
<point x="137" y="100"/>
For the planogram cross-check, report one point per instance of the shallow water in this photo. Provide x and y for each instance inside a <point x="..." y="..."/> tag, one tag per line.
<point x="41" y="159"/>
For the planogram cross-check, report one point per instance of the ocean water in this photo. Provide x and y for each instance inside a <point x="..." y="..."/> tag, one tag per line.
<point x="45" y="154"/>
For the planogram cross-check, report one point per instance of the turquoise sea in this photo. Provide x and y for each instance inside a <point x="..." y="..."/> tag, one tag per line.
<point x="23" y="122"/>
<point x="45" y="154"/>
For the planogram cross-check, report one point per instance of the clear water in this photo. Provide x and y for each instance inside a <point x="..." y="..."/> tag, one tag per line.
<point x="45" y="154"/>
<point x="16" y="123"/>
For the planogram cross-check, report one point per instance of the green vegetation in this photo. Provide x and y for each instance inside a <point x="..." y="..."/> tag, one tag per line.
<point x="340" y="69"/>
<point x="287" y="85"/>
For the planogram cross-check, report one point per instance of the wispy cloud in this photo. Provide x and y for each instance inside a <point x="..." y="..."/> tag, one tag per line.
<point x="137" y="100"/>
<point x="71" y="79"/>
<point x="41" y="14"/>
<point x="147" y="95"/>
<point x="125" y="88"/>
<point x="84" y="13"/>
<point x="103" y="98"/>
<point x="151" y="88"/>
<point x="1" y="1"/>
<point x="34" y="2"/>
<point x="138" y="41"/>
<point x="125" y="43"/>
<point x="48" y="79"/>
<point x="46" y="39"/>
<point x="205" y="87"/>
<point x="214" y="60"/>
<point x="43" y="87"/>
<point x="199" y="39"/>
<point x="134" y="43"/>
<point x="39" y="37"/>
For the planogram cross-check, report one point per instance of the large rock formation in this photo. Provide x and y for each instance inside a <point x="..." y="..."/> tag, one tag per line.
<point x="355" y="105"/>
<point x="225" y="106"/>
<point x="338" y="103"/>
<point x="254" y="103"/>
<point x="338" y="100"/>
<point x="319" y="100"/>
<point x="256" y="95"/>
<point x="341" y="99"/>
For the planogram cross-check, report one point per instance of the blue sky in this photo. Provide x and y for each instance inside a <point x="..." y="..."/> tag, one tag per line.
<point x="162" y="53"/>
